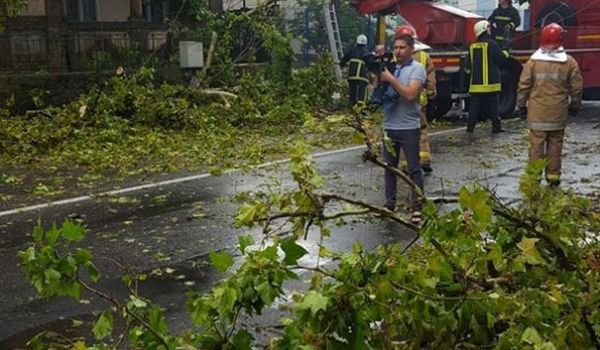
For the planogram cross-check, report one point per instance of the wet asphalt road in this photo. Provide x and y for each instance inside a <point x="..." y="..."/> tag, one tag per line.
<point x="176" y="226"/>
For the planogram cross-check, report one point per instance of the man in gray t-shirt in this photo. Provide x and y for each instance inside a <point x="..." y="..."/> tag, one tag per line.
<point x="401" y="121"/>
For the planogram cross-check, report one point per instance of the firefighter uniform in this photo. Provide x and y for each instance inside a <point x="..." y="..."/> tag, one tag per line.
<point x="504" y="20"/>
<point x="357" y="73"/>
<point x="550" y="89"/>
<point x="483" y="64"/>
<point x="429" y="92"/>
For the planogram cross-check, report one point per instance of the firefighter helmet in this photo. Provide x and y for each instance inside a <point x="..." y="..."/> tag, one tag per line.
<point x="361" y="40"/>
<point x="552" y="36"/>
<point x="481" y="27"/>
<point x="406" y="30"/>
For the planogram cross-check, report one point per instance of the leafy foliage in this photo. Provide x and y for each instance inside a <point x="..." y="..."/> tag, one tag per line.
<point x="486" y="276"/>
<point x="130" y="124"/>
<point x="9" y="9"/>
<point x="351" y="24"/>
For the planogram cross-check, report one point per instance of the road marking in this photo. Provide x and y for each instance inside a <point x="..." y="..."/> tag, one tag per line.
<point x="180" y="180"/>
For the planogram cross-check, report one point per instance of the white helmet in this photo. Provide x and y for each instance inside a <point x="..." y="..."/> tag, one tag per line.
<point x="361" y="39"/>
<point x="481" y="27"/>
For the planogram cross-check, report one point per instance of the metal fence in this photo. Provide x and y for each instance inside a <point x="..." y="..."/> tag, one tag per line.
<point x="79" y="51"/>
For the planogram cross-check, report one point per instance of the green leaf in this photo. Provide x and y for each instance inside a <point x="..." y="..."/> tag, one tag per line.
<point x="389" y="145"/>
<point x="28" y="255"/>
<point x="51" y="275"/>
<point x="52" y="235"/>
<point x="532" y="337"/>
<point x="82" y="256"/>
<point x="242" y="340"/>
<point x="477" y="202"/>
<point x="156" y="319"/>
<point x="38" y="232"/>
<point x="137" y="302"/>
<point x="530" y="253"/>
<point x="313" y="301"/>
<point x="245" y="241"/>
<point x="269" y="253"/>
<point x="103" y="326"/>
<point x="266" y="292"/>
<point x="228" y="299"/>
<point x="93" y="272"/>
<point x="73" y="232"/>
<point x="221" y="261"/>
<point x="292" y="251"/>
<point x="246" y="215"/>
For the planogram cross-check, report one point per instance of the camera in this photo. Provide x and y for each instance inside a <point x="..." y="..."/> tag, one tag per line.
<point x="376" y="65"/>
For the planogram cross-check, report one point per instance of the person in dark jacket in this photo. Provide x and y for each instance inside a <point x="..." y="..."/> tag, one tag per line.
<point x="357" y="58"/>
<point x="483" y="64"/>
<point x="504" y="20"/>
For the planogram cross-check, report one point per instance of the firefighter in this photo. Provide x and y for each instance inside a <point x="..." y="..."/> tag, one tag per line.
<point x="429" y="92"/>
<point x="357" y="70"/>
<point x="504" y="20"/>
<point x="483" y="65"/>
<point x="549" y="91"/>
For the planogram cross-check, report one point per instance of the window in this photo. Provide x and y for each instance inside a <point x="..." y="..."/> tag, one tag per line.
<point x="156" y="11"/>
<point x="31" y="44"/>
<point x="81" y="10"/>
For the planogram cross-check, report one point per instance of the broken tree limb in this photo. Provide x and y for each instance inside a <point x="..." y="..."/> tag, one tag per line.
<point x="209" y="56"/>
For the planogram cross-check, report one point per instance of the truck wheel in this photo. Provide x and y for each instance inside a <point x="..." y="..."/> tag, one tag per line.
<point x="438" y="108"/>
<point x="508" y="95"/>
<point x="554" y="12"/>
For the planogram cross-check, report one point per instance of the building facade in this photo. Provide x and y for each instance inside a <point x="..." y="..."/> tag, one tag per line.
<point x="77" y="35"/>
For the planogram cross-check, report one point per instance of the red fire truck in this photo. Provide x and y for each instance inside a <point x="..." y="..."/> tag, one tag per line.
<point x="449" y="31"/>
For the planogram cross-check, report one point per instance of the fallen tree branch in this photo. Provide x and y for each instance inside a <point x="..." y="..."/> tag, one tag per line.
<point x="209" y="56"/>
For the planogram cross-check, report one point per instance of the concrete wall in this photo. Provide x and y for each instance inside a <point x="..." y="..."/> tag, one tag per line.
<point x="113" y="10"/>
<point x="35" y="8"/>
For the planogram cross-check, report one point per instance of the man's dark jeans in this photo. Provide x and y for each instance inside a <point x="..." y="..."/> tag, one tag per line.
<point x="408" y="140"/>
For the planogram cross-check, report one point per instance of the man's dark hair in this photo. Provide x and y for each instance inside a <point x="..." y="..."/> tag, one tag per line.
<point x="407" y="39"/>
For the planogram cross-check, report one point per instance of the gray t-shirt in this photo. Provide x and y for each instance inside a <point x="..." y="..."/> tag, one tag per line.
<point x="398" y="113"/>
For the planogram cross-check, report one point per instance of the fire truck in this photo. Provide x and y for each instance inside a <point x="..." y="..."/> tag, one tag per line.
<point x="449" y="31"/>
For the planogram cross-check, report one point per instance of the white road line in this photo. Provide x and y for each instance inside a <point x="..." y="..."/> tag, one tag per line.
<point x="179" y="180"/>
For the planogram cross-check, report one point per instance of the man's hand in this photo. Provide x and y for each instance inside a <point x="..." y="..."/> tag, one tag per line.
<point x="386" y="76"/>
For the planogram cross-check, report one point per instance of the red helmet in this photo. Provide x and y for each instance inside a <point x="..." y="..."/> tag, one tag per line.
<point x="406" y="30"/>
<point x="552" y="36"/>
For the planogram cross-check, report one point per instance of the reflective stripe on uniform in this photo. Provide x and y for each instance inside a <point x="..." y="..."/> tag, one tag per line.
<point x="484" y="85"/>
<point x="546" y="126"/>
<point x="550" y="76"/>
<point x="502" y="18"/>
<point x="485" y="88"/>
<point x="360" y="63"/>
<point x="553" y="177"/>
<point x="424" y="155"/>
<point x="423" y="61"/>
<point x="359" y="79"/>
